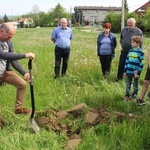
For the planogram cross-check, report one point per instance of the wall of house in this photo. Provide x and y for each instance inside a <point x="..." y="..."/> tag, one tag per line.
<point x="91" y="14"/>
<point x="95" y="15"/>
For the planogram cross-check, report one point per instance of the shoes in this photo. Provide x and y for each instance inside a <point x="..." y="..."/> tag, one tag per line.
<point x="22" y="110"/>
<point x="126" y="98"/>
<point x="133" y="99"/>
<point x="140" y="102"/>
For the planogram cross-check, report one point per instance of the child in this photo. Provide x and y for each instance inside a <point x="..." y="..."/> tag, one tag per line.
<point x="133" y="67"/>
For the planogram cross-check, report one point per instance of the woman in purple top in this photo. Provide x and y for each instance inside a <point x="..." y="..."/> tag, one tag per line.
<point x="106" y="44"/>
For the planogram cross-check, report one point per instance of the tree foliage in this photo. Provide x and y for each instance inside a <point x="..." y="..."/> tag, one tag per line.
<point x="126" y="6"/>
<point x="5" y="18"/>
<point x="115" y="19"/>
<point x="145" y="20"/>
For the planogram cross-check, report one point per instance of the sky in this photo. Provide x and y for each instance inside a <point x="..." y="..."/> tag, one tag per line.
<point x="20" y="7"/>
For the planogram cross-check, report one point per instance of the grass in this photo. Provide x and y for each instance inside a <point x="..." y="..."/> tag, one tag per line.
<point x="84" y="84"/>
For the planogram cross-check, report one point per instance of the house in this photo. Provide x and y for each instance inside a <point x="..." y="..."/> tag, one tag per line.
<point x="142" y="10"/>
<point x="91" y="14"/>
<point x="25" y="22"/>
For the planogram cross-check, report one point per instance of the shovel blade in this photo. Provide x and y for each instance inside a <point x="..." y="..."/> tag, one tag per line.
<point x="34" y="125"/>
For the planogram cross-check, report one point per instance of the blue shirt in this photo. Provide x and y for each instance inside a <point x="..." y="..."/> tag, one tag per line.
<point x="62" y="37"/>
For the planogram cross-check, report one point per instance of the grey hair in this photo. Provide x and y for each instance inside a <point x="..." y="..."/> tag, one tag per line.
<point x="132" y="20"/>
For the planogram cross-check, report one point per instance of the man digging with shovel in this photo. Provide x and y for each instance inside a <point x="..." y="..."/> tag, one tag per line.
<point x="7" y="58"/>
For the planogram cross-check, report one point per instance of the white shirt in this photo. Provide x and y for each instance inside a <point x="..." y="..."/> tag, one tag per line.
<point x="2" y="61"/>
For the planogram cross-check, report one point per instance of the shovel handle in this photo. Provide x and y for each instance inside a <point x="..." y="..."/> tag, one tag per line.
<point x="30" y="64"/>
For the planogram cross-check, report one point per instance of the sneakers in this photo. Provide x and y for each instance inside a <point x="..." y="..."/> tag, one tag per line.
<point x="22" y="110"/>
<point x="126" y="98"/>
<point x="140" y="102"/>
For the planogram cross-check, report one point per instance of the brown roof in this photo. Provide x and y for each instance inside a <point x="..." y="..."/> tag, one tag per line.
<point x="142" y="9"/>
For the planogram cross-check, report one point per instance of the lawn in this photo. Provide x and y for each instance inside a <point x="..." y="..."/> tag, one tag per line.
<point x="84" y="84"/>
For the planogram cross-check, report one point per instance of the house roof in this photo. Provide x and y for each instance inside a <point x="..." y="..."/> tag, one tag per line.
<point x="142" y="9"/>
<point x="98" y="8"/>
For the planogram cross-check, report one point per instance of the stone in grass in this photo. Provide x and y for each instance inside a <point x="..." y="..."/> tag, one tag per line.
<point x="92" y="118"/>
<point x="43" y="121"/>
<point x="62" y="114"/>
<point x="72" y="144"/>
<point x="77" y="110"/>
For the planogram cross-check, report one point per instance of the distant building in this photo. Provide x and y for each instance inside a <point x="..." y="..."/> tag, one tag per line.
<point x="25" y="22"/>
<point x="93" y="14"/>
<point x="142" y="10"/>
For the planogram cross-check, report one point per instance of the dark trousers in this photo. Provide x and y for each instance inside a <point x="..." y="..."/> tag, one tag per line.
<point x="128" y="86"/>
<point x="105" y="61"/>
<point x="61" y="54"/>
<point x="121" y="65"/>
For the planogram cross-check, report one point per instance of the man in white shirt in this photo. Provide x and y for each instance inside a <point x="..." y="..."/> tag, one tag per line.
<point x="7" y="59"/>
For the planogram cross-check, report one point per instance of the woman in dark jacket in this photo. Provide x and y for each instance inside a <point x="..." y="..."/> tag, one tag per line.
<point x="106" y="44"/>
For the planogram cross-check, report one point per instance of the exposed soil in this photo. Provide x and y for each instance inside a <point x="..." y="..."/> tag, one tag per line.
<point x="63" y="121"/>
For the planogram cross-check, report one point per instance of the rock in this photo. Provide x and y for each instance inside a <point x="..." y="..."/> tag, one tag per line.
<point x="77" y="110"/>
<point x="62" y="114"/>
<point x="72" y="144"/>
<point x="91" y="118"/>
<point x="43" y="121"/>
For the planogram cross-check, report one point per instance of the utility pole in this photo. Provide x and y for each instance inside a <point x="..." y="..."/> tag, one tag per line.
<point x="122" y="18"/>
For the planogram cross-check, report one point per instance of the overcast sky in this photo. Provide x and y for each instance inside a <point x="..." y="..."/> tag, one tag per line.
<point x="20" y="7"/>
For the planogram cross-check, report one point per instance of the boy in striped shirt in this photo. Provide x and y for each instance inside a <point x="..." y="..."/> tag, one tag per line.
<point x="133" y="67"/>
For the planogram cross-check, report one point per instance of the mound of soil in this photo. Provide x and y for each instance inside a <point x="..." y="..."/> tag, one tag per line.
<point x="62" y="121"/>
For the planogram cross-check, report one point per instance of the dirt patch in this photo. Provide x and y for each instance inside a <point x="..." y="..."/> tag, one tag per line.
<point x="65" y="122"/>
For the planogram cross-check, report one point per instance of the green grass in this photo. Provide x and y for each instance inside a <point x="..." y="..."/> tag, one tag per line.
<point x="84" y="84"/>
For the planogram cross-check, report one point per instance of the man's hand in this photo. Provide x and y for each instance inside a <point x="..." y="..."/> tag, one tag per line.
<point x="30" y="55"/>
<point x="27" y="77"/>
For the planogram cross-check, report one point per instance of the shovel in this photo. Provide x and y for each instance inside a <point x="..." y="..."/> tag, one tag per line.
<point x="32" y="121"/>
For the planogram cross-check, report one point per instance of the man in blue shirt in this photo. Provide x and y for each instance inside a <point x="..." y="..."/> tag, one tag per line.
<point x="61" y="36"/>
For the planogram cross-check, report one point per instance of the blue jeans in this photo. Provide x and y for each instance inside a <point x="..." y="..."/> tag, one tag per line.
<point x="128" y="86"/>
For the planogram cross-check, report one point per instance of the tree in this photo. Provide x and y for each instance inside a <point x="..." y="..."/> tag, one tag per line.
<point x="126" y="6"/>
<point x="57" y="13"/>
<point x="35" y="15"/>
<point x="44" y="19"/>
<point x="78" y="16"/>
<point x="145" y="20"/>
<point x="115" y="20"/>
<point x="5" y="18"/>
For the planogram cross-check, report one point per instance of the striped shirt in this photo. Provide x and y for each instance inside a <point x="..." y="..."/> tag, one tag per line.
<point x="134" y="61"/>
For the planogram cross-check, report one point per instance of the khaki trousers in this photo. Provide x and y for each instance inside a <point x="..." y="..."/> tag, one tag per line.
<point x="12" y="78"/>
